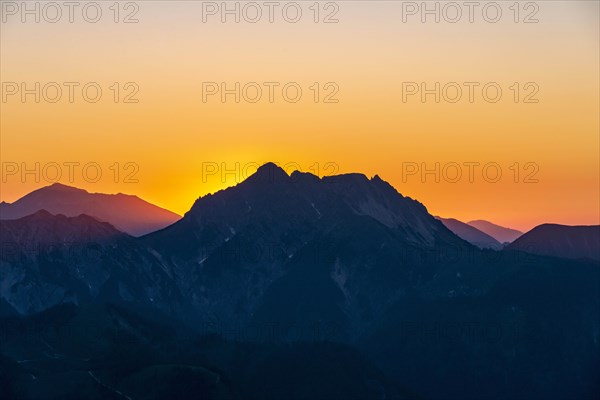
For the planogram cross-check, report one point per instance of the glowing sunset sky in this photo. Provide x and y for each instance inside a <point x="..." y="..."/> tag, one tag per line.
<point x="368" y="54"/>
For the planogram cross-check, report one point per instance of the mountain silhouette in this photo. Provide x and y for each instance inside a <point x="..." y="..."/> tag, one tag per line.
<point x="471" y="234"/>
<point x="500" y="233"/>
<point x="235" y="250"/>
<point x="280" y="260"/>
<point x="127" y="213"/>
<point x="272" y="196"/>
<point x="42" y="228"/>
<point x="561" y="241"/>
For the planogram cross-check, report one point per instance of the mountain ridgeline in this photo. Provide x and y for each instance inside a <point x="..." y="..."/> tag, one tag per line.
<point x="471" y="234"/>
<point x="500" y="233"/>
<point x="50" y="259"/>
<point x="341" y="275"/>
<point x="127" y="213"/>
<point x="561" y="241"/>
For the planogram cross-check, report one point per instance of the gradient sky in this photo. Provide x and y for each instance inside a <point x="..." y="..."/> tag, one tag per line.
<point x="369" y="53"/>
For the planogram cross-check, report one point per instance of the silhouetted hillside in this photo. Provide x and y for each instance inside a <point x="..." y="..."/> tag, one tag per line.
<point x="500" y="233"/>
<point x="561" y="241"/>
<point x="471" y="234"/>
<point x="127" y="213"/>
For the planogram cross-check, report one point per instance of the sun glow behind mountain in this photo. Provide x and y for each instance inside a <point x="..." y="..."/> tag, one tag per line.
<point x="171" y="134"/>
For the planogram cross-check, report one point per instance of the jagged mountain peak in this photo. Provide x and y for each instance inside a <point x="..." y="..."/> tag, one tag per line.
<point x="269" y="173"/>
<point x="273" y="206"/>
<point x="299" y="176"/>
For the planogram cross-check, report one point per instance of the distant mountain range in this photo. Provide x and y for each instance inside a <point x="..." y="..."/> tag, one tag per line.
<point x="471" y="234"/>
<point x="483" y="234"/>
<point x="293" y="259"/>
<point x="561" y="241"/>
<point x="500" y="233"/>
<point x="127" y="213"/>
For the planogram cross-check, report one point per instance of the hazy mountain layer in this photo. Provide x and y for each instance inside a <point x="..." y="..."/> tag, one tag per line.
<point x="127" y="213"/>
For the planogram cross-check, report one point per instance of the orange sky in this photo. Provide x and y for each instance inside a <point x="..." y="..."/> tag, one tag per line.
<point x="171" y="133"/>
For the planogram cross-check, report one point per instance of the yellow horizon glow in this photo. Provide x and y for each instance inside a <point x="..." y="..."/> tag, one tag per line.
<point x="170" y="133"/>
